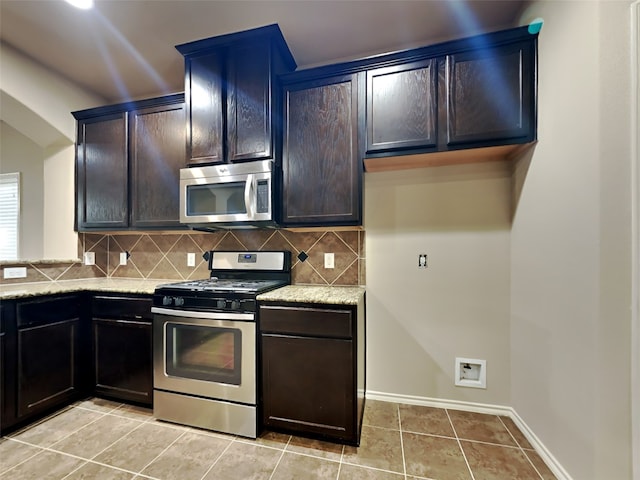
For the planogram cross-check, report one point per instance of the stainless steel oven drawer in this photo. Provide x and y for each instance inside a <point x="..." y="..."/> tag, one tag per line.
<point x="205" y="413"/>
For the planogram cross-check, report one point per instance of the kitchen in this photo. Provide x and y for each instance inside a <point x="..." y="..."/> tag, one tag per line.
<point x="507" y="274"/>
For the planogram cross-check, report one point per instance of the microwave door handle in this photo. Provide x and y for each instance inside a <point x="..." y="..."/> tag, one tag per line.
<point x="248" y="189"/>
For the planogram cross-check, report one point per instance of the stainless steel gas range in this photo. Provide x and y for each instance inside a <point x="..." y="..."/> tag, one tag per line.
<point x="204" y="342"/>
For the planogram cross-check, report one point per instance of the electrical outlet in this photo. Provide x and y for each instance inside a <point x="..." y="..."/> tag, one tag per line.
<point x="123" y="258"/>
<point x="191" y="259"/>
<point x="422" y="260"/>
<point x="15" y="272"/>
<point x="329" y="260"/>
<point x="89" y="258"/>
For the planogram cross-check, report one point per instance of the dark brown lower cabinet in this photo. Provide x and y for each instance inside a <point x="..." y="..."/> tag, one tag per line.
<point x="49" y="353"/>
<point x="122" y="348"/>
<point x="7" y="364"/>
<point x="312" y="371"/>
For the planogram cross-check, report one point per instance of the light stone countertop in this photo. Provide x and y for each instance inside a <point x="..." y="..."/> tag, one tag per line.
<point x="343" y="295"/>
<point x="46" y="261"/>
<point x="121" y="285"/>
<point x="315" y="294"/>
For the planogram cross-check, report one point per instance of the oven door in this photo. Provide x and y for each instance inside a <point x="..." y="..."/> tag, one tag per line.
<point x="206" y="354"/>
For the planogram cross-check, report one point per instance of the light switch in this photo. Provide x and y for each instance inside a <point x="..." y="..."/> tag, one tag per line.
<point x="191" y="259"/>
<point x="123" y="258"/>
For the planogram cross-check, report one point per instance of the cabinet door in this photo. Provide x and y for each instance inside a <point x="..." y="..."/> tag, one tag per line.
<point x="102" y="173"/>
<point x="47" y="358"/>
<point x="123" y="359"/>
<point x="489" y="96"/>
<point x="157" y="152"/>
<point x="308" y="385"/>
<point x="321" y="167"/>
<point x="402" y="106"/>
<point x="204" y="102"/>
<point x="249" y="102"/>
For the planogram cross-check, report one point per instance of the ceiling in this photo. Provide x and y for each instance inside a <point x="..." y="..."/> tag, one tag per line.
<point x="124" y="49"/>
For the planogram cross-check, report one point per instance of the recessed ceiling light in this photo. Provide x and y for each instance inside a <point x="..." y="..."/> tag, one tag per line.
<point x="83" y="4"/>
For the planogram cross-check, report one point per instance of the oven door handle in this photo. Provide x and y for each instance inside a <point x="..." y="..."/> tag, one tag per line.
<point x="205" y="315"/>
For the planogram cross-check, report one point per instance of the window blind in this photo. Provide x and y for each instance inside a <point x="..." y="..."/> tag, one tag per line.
<point x="9" y="215"/>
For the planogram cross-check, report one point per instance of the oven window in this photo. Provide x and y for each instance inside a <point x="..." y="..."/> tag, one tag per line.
<point x="216" y="199"/>
<point x="204" y="353"/>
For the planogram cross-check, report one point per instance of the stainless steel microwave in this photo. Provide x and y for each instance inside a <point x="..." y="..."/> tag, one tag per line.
<point x="236" y="195"/>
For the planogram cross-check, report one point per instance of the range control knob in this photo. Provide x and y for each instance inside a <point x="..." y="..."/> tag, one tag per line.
<point x="179" y="301"/>
<point x="167" y="300"/>
<point x="235" y="305"/>
<point x="221" y="303"/>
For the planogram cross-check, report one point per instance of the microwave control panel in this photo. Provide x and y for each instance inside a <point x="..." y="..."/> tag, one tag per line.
<point x="262" y="196"/>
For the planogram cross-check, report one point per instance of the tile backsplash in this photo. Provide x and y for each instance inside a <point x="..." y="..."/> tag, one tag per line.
<point x="164" y="255"/>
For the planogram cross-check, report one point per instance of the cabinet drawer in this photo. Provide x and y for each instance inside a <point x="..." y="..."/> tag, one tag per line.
<point x="122" y="307"/>
<point x="47" y="310"/>
<point x="306" y="321"/>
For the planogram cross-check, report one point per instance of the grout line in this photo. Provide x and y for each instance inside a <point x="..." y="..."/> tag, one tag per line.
<point x="273" y="234"/>
<point x="460" y="445"/>
<point x="38" y="422"/>
<point x="520" y="447"/>
<point x="404" y="462"/>
<point x="51" y="450"/>
<point x="280" y="459"/>
<point x="116" y="441"/>
<point x="340" y="464"/>
<point x="217" y="459"/>
<point x="163" y="451"/>
<point x="40" y="450"/>
<point x="369" y="467"/>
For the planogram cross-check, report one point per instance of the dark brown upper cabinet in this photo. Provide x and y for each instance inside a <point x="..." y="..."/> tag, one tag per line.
<point x="321" y="164"/>
<point x="463" y="101"/>
<point x="128" y="160"/>
<point x="101" y="172"/>
<point x="156" y="153"/>
<point x="488" y="95"/>
<point x="231" y="95"/>
<point x="401" y="106"/>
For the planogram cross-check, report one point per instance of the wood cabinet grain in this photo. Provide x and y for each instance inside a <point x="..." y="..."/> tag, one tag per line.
<point x="231" y="94"/>
<point x="402" y="106"/>
<point x="312" y="365"/>
<point x="322" y="176"/>
<point x="249" y="102"/>
<point x="122" y="347"/>
<point x="203" y="95"/>
<point x="102" y="172"/>
<point x="8" y="361"/>
<point x="49" y="353"/>
<point x="128" y="160"/>
<point x="463" y="101"/>
<point x="156" y="155"/>
<point x="489" y="95"/>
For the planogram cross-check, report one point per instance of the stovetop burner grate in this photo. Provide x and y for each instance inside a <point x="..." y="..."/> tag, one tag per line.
<point x="227" y="285"/>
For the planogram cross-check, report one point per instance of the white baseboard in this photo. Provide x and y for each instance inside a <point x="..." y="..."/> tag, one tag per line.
<point x="535" y="442"/>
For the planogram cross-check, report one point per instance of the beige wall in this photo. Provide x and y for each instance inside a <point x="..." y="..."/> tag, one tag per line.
<point x="570" y="244"/>
<point x="20" y="154"/>
<point x="418" y="321"/>
<point x="38" y="104"/>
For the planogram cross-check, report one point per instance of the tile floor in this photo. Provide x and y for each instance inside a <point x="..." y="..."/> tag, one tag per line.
<point x="97" y="438"/>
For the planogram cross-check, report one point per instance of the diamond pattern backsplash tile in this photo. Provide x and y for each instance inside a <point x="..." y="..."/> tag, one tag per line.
<point x="164" y="256"/>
